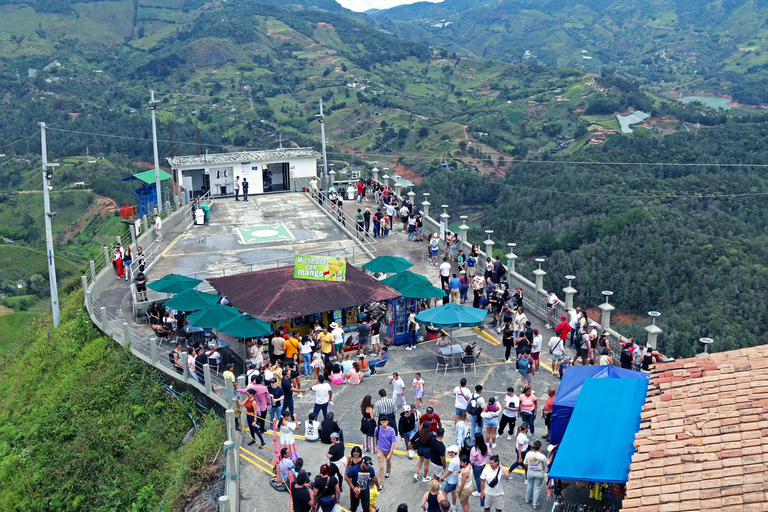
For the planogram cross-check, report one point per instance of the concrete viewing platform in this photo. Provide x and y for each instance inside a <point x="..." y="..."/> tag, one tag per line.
<point x="267" y="231"/>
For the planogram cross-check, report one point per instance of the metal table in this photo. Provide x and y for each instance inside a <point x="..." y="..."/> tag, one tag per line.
<point x="454" y="351"/>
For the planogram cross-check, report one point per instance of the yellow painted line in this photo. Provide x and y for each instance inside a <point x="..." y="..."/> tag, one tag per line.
<point x="487" y="336"/>
<point x="256" y="464"/>
<point x="172" y="244"/>
<point x="267" y="463"/>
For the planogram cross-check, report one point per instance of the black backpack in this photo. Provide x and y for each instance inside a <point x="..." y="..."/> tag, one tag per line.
<point x="472" y="407"/>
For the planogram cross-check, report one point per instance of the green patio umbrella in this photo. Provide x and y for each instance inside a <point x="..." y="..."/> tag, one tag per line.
<point x="173" y="283"/>
<point x="191" y="300"/>
<point x="213" y="317"/>
<point x="246" y="326"/>
<point x="452" y="315"/>
<point x="388" y="264"/>
<point x="404" y="280"/>
<point x="421" y="291"/>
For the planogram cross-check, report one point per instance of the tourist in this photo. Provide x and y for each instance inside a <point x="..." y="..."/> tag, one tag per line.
<point x="312" y="429"/>
<point x="528" y="407"/>
<point x="605" y="357"/>
<point x="375" y="327"/>
<point x="287" y="440"/>
<point x="251" y="412"/>
<point x="261" y="395"/>
<point x="335" y="454"/>
<point x="140" y="279"/>
<point x="384" y="440"/>
<point x="521" y="447"/>
<point x="444" y="274"/>
<point x="317" y="364"/>
<point x="337" y="376"/>
<point x="454" y="287"/>
<point x="419" y="389"/>
<point x="463" y="435"/>
<point x="626" y="354"/>
<point x="355" y="375"/>
<point x="451" y="476"/>
<point x="536" y="350"/>
<point x="475" y="407"/>
<point x="413" y="329"/>
<point x="363" y="337"/>
<point x="547" y="412"/>
<point x="306" y="354"/>
<point x="551" y="301"/>
<point x="323" y="395"/>
<point x="338" y="339"/>
<point x="490" y="416"/>
<point x="431" y="500"/>
<point x="478" y="287"/>
<point x="563" y="328"/>
<point x="431" y="418"/>
<point x="434" y="248"/>
<point x="383" y="356"/>
<point x="301" y="495"/>
<point x="360" y="478"/>
<point x="276" y="394"/>
<point x="328" y="427"/>
<point x="536" y="464"/>
<point x="461" y="394"/>
<point x="278" y="347"/>
<point x="237" y="188"/>
<point x="158" y="227"/>
<point x="423" y="444"/>
<point x="464" y="489"/>
<point x="367" y="423"/>
<point x="117" y="260"/>
<point x="364" y="366"/>
<point x="525" y="367"/>
<point x="326" y="343"/>
<point x="284" y="469"/>
<point x="385" y="408"/>
<point x="492" y="486"/>
<point x="437" y="461"/>
<point x="407" y="427"/>
<point x="398" y="388"/>
<point x="127" y="261"/>
<point x="478" y="456"/>
<point x="326" y="491"/>
<point x="511" y="410"/>
<point x="556" y="351"/>
<point x="355" y="457"/>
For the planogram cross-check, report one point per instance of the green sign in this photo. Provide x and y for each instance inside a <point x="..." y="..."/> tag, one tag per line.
<point x="320" y="268"/>
<point x="269" y="233"/>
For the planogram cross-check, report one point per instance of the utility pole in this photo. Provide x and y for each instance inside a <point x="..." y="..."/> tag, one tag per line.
<point x="153" y="108"/>
<point x="321" y="118"/>
<point x="47" y="175"/>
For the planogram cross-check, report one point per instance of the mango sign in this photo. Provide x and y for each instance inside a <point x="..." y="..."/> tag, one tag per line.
<point x="320" y="268"/>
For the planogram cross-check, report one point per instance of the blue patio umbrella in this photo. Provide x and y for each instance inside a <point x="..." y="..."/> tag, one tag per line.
<point x="213" y="317"/>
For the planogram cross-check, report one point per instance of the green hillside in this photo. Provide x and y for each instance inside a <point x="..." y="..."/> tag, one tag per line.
<point x="29" y="267"/>
<point x="716" y="46"/>
<point x="84" y="424"/>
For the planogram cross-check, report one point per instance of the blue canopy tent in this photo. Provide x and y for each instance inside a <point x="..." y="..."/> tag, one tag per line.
<point x="569" y="390"/>
<point x="616" y="425"/>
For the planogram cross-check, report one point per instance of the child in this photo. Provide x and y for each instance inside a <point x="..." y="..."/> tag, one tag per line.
<point x="420" y="389"/>
<point x="312" y="429"/>
<point x="337" y="377"/>
<point x="317" y="361"/>
<point x="286" y="428"/>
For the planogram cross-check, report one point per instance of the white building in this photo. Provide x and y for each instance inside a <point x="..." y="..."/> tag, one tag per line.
<point x="273" y="170"/>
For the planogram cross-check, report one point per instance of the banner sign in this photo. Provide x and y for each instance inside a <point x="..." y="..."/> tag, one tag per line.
<point x="320" y="268"/>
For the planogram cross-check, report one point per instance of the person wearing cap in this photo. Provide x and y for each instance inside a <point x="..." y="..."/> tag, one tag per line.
<point x="360" y="478"/>
<point x="398" y="388"/>
<point x="451" y="475"/>
<point x="563" y="328"/>
<point x="338" y="338"/>
<point x="551" y="301"/>
<point x="407" y="427"/>
<point x="432" y="418"/>
<point x="384" y="440"/>
<point x="492" y="496"/>
<point x="300" y="493"/>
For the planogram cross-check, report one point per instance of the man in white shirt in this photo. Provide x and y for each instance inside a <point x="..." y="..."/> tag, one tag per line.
<point x="462" y="395"/>
<point x="323" y="395"/>
<point x="551" y="300"/>
<point x="573" y="321"/>
<point x="510" y="413"/>
<point x="338" y="338"/>
<point x="493" y="496"/>
<point x="158" y="227"/>
<point x="398" y="388"/>
<point x="557" y="350"/>
<point x="445" y="273"/>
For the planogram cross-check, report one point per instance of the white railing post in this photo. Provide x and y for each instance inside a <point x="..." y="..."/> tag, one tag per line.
<point x="184" y="366"/>
<point x="207" y="378"/>
<point x="127" y="335"/>
<point x="653" y="330"/>
<point x="605" y="308"/>
<point x="231" y="426"/>
<point x="224" y="505"/>
<point x="153" y="350"/>
<point x="104" y="324"/>
<point x="107" y="259"/>
<point x="539" y="275"/>
<point x="511" y="257"/>
<point x="84" y="282"/>
<point x="569" y="292"/>
<point x="92" y="266"/>
<point x="488" y="250"/>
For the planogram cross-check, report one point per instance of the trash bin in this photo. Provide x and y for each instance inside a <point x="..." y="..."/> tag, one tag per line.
<point x="199" y="217"/>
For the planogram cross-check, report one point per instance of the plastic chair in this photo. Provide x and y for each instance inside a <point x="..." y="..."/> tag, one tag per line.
<point x="469" y="360"/>
<point x="443" y="361"/>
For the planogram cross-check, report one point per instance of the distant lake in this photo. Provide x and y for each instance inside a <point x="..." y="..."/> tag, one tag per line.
<point x="710" y="101"/>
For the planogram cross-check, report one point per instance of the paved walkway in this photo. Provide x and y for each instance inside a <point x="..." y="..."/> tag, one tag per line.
<point x="492" y="373"/>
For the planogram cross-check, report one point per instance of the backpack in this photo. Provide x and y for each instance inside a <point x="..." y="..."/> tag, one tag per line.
<point x="170" y="357"/>
<point x="472" y="407"/>
<point x="524" y="364"/>
<point x="469" y="440"/>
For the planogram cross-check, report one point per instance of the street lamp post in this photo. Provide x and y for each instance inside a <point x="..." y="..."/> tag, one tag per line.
<point x="47" y="175"/>
<point x="153" y="109"/>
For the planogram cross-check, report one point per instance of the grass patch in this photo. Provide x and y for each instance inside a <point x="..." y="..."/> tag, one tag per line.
<point x="11" y="328"/>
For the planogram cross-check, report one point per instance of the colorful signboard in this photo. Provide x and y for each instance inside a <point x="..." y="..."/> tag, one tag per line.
<point x="320" y="268"/>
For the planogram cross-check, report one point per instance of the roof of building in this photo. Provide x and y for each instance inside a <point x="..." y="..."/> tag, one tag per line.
<point x="148" y="176"/>
<point x="274" y="294"/>
<point x="243" y="156"/>
<point x="701" y="444"/>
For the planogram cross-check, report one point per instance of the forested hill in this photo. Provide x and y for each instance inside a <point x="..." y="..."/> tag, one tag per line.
<point x="689" y="44"/>
<point x="654" y="235"/>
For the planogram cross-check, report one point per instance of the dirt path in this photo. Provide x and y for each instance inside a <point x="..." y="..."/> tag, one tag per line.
<point x="103" y="208"/>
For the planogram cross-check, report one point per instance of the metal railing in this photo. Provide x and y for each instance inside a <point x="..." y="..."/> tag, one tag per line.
<point x="342" y="219"/>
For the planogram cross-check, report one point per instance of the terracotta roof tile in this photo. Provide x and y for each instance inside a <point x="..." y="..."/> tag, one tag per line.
<point x="702" y="436"/>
